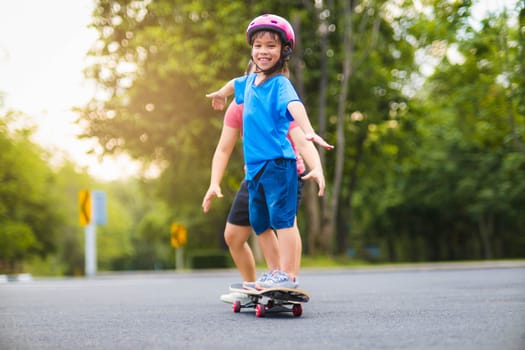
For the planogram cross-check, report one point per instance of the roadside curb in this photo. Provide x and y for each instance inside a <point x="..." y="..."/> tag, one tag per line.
<point x="357" y="269"/>
<point x="21" y="277"/>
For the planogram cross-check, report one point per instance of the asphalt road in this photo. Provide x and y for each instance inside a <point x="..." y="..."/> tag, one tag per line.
<point x="423" y="307"/>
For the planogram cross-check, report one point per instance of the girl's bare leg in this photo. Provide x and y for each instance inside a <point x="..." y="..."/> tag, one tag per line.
<point x="236" y="238"/>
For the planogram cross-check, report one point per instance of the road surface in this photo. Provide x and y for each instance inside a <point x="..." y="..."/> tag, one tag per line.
<point x="422" y="307"/>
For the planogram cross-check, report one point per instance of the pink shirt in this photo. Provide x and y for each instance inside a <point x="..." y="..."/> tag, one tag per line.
<point x="233" y="119"/>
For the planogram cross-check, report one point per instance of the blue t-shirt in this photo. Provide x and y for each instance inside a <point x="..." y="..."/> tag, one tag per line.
<point x="266" y="120"/>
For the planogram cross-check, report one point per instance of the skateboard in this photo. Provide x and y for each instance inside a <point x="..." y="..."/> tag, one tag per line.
<point x="271" y="300"/>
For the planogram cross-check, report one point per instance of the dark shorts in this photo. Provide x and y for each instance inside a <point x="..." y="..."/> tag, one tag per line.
<point x="239" y="213"/>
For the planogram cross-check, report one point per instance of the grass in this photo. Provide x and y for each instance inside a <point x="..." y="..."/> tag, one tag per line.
<point x="323" y="261"/>
<point x="331" y="262"/>
<point x="345" y="261"/>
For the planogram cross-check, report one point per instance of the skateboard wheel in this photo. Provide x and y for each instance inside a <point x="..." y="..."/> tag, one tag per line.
<point x="297" y="310"/>
<point x="236" y="306"/>
<point x="260" y="310"/>
<point x="269" y="304"/>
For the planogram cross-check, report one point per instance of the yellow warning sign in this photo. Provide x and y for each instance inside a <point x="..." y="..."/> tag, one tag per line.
<point x="84" y="203"/>
<point x="178" y="235"/>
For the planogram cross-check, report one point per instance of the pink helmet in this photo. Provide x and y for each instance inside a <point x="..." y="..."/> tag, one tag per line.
<point x="274" y="23"/>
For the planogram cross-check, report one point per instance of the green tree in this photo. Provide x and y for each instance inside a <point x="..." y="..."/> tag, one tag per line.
<point x="28" y="223"/>
<point x="360" y="67"/>
<point x="153" y="63"/>
<point x="373" y="47"/>
<point x="456" y="188"/>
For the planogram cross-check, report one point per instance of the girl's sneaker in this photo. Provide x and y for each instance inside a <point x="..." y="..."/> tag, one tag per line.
<point x="278" y="279"/>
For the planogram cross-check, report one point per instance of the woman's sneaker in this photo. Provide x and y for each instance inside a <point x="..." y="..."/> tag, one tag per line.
<point x="254" y="285"/>
<point x="278" y="279"/>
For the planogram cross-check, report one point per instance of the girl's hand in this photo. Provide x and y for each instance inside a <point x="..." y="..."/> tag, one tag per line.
<point x="319" y="140"/>
<point x="317" y="176"/>
<point x="218" y="100"/>
<point x="213" y="191"/>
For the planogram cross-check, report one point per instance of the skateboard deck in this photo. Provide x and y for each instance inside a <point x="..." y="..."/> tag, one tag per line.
<point x="271" y="300"/>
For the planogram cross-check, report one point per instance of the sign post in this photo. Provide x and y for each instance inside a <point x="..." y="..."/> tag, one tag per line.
<point x="90" y="258"/>
<point x="92" y="210"/>
<point x="178" y="240"/>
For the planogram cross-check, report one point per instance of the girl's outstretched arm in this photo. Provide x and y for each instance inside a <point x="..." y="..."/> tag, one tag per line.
<point x="220" y="160"/>
<point x="219" y="97"/>
<point x="298" y="112"/>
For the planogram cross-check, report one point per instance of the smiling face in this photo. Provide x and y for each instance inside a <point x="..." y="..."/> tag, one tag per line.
<point x="266" y="49"/>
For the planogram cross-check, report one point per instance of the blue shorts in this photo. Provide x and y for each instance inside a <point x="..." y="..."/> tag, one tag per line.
<point x="273" y="196"/>
<point x="239" y="213"/>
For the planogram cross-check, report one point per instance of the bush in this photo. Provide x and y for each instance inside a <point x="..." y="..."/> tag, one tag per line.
<point x="210" y="259"/>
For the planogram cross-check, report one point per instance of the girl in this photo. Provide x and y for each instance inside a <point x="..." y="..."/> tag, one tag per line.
<point x="270" y="104"/>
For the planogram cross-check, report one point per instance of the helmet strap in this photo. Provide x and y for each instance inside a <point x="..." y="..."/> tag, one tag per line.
<point x="276" y="67"/>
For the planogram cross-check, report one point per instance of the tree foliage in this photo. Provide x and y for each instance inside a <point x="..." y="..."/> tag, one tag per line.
<point x="27" y="222"/>
<point x="425" y="105"/>
<point x="411" y="126"/>
<point x="451" y="194"/>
